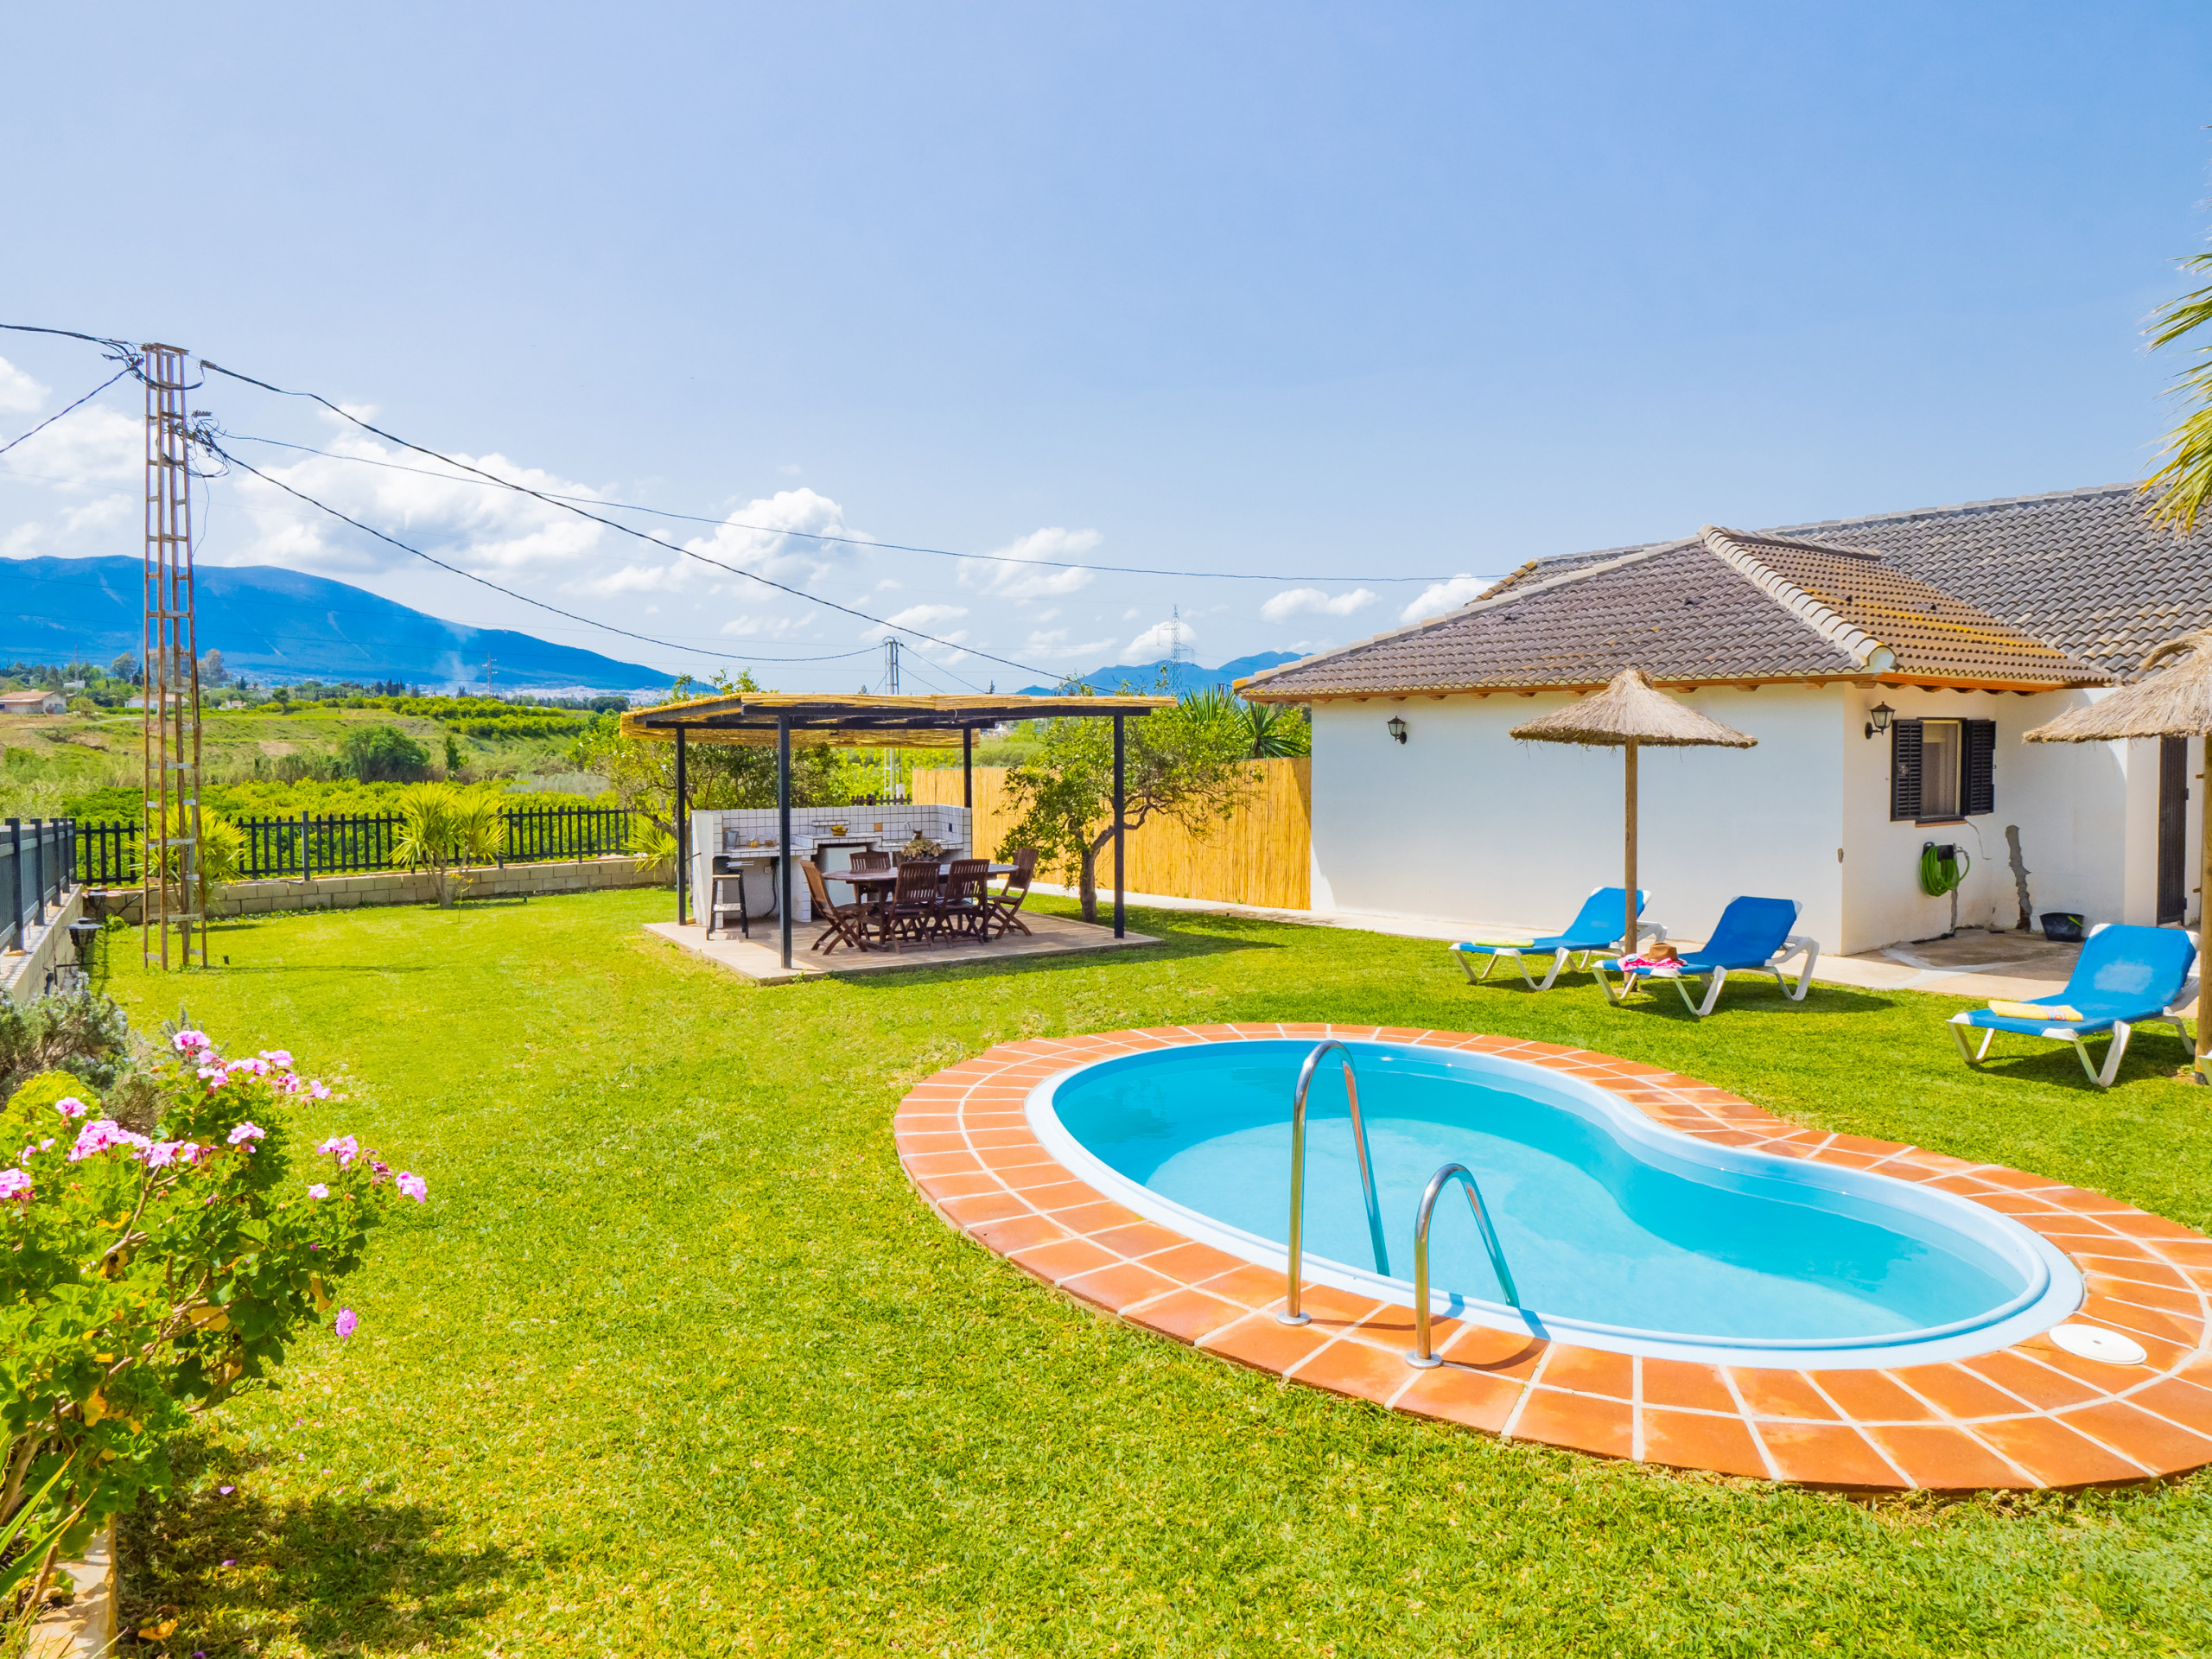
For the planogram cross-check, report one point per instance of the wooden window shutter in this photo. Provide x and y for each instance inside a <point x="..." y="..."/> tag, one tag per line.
<point x="1904" y="769"/>
<point x="1980" y="793"/>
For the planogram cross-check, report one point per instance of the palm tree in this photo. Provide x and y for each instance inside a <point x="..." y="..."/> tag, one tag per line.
<point x="2184" y="483"/>
<point x="447" y="830"/>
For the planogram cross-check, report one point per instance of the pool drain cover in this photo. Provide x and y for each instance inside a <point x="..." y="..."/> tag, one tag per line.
<point x="2090" y="1343"/>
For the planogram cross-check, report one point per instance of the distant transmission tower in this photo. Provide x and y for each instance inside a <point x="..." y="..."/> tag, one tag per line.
<point x="172" y="879"/>
<point x="891" y="688"/>
<point x="1178" y="648"/>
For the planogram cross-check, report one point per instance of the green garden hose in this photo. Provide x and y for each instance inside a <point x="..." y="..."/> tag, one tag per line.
<point x="1939" y="876"/>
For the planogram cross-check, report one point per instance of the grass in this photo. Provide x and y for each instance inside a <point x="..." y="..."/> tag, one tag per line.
<point x="675" y="1362"/>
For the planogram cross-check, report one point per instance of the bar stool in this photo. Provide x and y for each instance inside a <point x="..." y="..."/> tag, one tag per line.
<point x="726" y="897"/>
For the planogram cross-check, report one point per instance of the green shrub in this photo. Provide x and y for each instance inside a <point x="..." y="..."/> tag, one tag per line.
<point x="384" y="755"/>
<point x="81" y="1033"/>
<point x="444" y="830"/>
<point x="144" y="1277"/>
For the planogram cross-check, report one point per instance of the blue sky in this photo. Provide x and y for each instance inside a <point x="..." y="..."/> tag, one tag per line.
<point x="1355" y="293"/>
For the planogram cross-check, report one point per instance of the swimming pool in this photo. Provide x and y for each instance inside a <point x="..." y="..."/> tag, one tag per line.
<point x="1620" y="1233"/>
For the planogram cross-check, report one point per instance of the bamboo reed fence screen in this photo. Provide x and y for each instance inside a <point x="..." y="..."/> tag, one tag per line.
<point x="1261" y="856"/>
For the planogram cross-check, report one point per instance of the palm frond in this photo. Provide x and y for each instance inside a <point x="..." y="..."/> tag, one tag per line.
<point x="2183" y="485"/>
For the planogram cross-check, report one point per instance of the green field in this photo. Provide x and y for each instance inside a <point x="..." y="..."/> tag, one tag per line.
<point x="674" y="1362"/>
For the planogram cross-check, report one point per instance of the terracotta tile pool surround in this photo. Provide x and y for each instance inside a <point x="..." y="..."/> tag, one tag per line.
<point x="2029" y="1416"/>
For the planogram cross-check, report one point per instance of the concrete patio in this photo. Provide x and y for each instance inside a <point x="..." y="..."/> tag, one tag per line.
<point x="759" y="960"/>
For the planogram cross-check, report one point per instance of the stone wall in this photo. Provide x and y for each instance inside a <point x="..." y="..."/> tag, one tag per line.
<point x="397" y="887"/>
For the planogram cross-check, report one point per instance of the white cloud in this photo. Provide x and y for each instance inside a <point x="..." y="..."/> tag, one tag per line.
<point x="19" y="393"/>
<point x="1439" y="597"/>
<point x="1156" y="642"/>
<point x="1293" y="601"/>
<point x="1024" y="580"/>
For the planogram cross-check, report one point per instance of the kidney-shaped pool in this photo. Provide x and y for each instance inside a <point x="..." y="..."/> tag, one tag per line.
<point x="1619" y="1233"/>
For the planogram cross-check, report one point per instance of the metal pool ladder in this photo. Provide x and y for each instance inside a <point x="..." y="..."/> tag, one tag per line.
<point x="1421" y="1354"/>
<point x="1292" y="1314"/>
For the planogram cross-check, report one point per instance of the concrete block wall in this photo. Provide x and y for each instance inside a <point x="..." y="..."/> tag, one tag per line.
<point x="398" y="887"/>
<point x="25" y="975"/>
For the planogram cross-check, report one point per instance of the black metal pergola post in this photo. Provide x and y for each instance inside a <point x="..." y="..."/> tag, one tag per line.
<point x="757" y="719"/>
<point x="1120" y="776"/>
<point x="784" y="832"/>
<point x="683" y="836"/>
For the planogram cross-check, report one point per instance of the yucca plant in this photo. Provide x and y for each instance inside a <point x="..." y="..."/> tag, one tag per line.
<point x="445" y="829"/>
<point x="650" y="840"/>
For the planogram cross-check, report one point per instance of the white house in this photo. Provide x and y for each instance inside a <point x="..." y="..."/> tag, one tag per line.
<point x="1887" y="666"/>
<point x="32" y="702"/>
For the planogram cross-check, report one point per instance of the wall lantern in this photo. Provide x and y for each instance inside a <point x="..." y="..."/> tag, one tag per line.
<point x="1397" y="728"/>
<point x="1877" y="718"/>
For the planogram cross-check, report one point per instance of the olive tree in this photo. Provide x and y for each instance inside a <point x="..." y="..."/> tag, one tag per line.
<point x="1191" y="764"/>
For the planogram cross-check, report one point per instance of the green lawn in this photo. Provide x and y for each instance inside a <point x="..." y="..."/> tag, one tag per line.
<point x="675" y="1362"/>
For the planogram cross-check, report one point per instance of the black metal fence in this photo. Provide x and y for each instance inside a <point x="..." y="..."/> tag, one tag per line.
<point x="106" y="854"/>
<point x="36" y="858"/>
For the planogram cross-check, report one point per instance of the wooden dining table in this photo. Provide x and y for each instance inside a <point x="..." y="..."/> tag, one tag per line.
<point x="862" y="881"/>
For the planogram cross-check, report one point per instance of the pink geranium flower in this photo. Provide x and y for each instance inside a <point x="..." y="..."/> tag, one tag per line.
<point x="344" y="1145"/>
<point x="191" y="1042"/>
<point x="247" y="1132"/>
<point x="346" y="1322"/>
<point x="69" y="1106"/>
<point x="413" y="1186"/>
<point x="318" y="1190"/>
<point x="277" y="1057"/>
<point x="14" y="1184"/>
<point x="98" y="1136"/>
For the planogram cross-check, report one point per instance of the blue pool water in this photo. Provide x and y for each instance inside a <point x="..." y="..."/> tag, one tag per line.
<point x="1612" y="1226"/>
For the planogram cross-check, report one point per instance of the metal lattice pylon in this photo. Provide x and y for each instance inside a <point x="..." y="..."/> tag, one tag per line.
<point x="173" y="878"/>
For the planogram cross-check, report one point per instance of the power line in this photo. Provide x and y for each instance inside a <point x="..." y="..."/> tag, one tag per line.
<point x="125" y="370"/>
<point x="805" y="535"/>
<point x="611" y="524"/>
<point x="208" y="442"/>
<point x="333" y="610"/>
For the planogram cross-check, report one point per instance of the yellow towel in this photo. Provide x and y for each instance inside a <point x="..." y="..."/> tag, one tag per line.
<point x="1503" y="940"/>
<point x="2052" y="1012"/>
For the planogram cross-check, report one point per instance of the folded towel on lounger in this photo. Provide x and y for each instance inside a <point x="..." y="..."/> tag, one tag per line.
<point x="1505" y="942"/>
<point x="2052" y="1012"/>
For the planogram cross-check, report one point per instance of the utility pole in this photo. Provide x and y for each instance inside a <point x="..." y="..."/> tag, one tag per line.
<point x="172" y="888"/>
<point x="891" y="688"/>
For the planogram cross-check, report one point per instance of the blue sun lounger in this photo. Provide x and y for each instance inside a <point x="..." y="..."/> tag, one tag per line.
<point x="1591" y="931"/>
<point x="1753" y="936"/>
<point x="2126" y="976"/>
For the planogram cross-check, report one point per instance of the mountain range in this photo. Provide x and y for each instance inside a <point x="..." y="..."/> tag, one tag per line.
<point x="275" y="626"/>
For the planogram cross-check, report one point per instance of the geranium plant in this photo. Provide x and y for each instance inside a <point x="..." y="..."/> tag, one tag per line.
<point x="144" y="1277"/>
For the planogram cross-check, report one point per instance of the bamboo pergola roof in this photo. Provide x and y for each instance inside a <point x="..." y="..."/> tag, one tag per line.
<point x="862" y="719"/>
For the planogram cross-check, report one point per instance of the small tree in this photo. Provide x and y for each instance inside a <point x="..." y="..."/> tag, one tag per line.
<point x="384" y="755"/>
<point x="444" y="830"/>
<point x="1190" y="763"/>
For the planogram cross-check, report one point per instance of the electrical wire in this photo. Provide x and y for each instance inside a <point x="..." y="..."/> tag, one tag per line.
<point x="611" y="524"/>
<point x="263" y="604"/>
<point x="805" y="535"/>
<point x="86" y="398"/>
<point x="209" y="444"/>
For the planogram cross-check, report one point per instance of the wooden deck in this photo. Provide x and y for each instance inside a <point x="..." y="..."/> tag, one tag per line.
<point x="760" y="959"/>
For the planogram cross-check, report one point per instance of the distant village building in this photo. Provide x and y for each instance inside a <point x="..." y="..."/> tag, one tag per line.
<point x="32" y="703"/>
<point x="1888" y="667"/>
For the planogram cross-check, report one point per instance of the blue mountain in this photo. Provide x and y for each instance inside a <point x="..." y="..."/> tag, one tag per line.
<point x="276" y="626"/>
<point x="1182" y="678"/>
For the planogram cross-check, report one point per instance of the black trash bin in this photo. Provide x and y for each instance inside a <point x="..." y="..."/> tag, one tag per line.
<point x="2062" y="926"/>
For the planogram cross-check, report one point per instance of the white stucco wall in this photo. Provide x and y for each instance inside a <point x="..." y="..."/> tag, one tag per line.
<point x="1463" y="823"/>
<point x="2087" y="815"/>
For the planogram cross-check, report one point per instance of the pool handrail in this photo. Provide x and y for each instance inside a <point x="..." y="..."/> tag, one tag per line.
<point x="1421" y="1354"/>
<point x="1291" y="1313"/>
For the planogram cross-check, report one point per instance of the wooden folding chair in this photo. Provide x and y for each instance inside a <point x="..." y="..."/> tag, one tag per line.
<point x="848" y="924"/>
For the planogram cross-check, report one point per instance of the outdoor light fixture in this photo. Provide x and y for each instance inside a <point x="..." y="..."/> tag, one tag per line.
<point x="1877" y="718"/>
<point x="1397" y="728"/>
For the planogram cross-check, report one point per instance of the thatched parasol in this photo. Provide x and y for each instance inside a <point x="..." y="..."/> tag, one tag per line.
<point x="1628" y="714"/>
<point x="2177" y="701"/>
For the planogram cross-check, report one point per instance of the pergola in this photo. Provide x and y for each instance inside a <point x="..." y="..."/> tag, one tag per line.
<point x="762" y="719"/>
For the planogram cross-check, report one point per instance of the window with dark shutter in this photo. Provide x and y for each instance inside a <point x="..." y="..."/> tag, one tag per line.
<point x="1980" y="792"/>
<point x="1904" y="769"/>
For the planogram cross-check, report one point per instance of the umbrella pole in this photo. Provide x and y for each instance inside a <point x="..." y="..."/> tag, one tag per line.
<point x="1628" y="927"/>
<point x="2203" y="1070"/>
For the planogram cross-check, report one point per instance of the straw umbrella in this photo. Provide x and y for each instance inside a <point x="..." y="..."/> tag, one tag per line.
<point x="2176" y="702"/>
<point x="1629" y="714"/>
